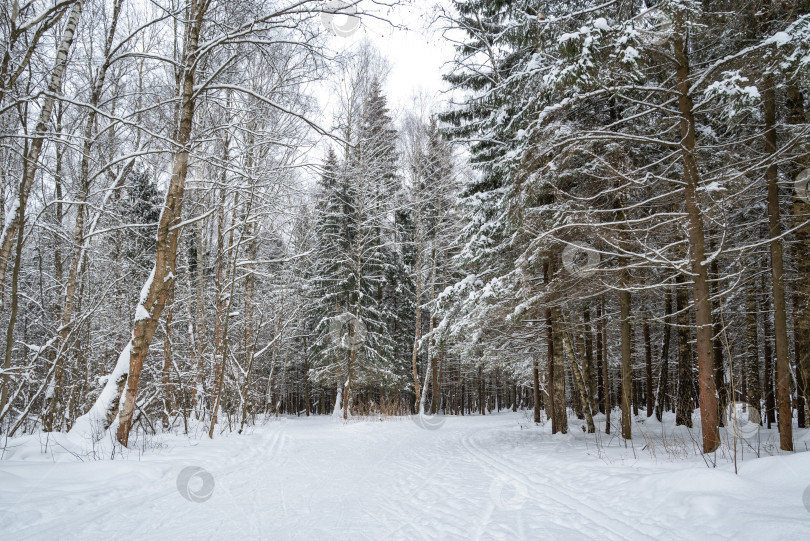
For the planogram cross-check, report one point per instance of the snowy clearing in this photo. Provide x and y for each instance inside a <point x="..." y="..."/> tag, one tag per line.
<point x="473" y="477"/>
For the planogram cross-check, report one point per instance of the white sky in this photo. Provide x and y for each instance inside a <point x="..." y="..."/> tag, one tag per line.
<point x="413" y="45"/>
<point x="416" y="50"/>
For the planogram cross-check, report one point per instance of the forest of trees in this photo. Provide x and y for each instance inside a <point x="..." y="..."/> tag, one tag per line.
<point x="610" y="217"/>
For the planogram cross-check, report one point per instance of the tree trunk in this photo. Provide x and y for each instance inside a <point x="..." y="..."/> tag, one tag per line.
<point x="248" y="339"/>
<point x="221" y="316"/>
<point x="717" y="347"/>
<point x="605" y="364"/>
<point x="549" y="358"/>
<point x="199" y="326"/>
<point x="482" y="402"/>
<point x="588" y="363"/>
<point x="417" y="334"/>
<point x="627" y="367"/>
<point x="168" y="391"/>
<point x="600" y="379"/>
<point x="754" y="394"/>
<point x="683" y="414"/>
<point x="801" y="250"/>
<point x="579" y="384"/>
<point x="347" y="398"/>
<point x="697" y="244"/>
<point x="12" y="320"/>
<point x="434" y="403"/>
<point x="160" y="283"/>
<point x="648" y="368"/>
<point x="661" y="399"/>
<point x="559" y="422"/>
<point x="777" y="275"/>
<point x="536" y="388"/>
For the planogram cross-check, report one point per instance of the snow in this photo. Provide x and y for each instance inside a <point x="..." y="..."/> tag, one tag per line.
<point x="90" y="426"/>
<point x="41" y="349"/>
<point x="147" y="285"/>
<point x="601" y="24"/>
<point x="141" y="313"/>
<point x="497" y="476"/>
<point x="568" y="36"/>
<point x="780" y="38"/>
<point x="713" y="186"/>
<point x="630" y="54"/>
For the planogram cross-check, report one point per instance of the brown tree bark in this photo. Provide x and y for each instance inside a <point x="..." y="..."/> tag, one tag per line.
<point x="648" y="368"/>
<point x="549" y="367"/>
<point x="684" y="409"/>
<point x="161" y="283"/>
<point x="663" y="378"/>
<point x="536" y="389"/>
<point x="717" y="347"/>
<point x="600" y="379"/>
<point x="627" y="367"/>
<point x="602" y="314"/>
<point x="785" y="417"/>
<point x="549" y="355"/>
<point x="753" y="388"/>
<point x="579" y="384"/>
<point x="589" y="372"/>
<point x="559" y="421"/>
<point x="697" y="242"/>
<point x="767" y="334"/>
<point x="801" y="255"/>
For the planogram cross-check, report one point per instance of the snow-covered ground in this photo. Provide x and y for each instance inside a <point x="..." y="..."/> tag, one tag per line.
<point x="473" y="477"/>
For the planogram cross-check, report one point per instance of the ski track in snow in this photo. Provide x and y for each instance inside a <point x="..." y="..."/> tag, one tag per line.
<point x="492" y="477"/>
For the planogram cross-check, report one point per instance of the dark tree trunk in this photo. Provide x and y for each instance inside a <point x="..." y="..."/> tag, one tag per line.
<point x="777" y="275"/>
<point x="801" y="250"/>
<point x="754" y="392"/>
<point x="605" y="363"/>
<point x="590" y="376"/>
<point x="600" y="379"/>
<point x="717" y="347"/>
<point x="559" y="421"/>
<point x="536" y="388"/>
<point x="683" y="414"/>
<point x="770" y="402"/>
<point x="649" y="373"/>
<point x="627" y="367"/>
<point x="661" y="399"/>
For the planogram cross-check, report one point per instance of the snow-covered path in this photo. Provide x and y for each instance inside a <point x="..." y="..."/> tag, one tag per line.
<point x="470" y="478"/>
